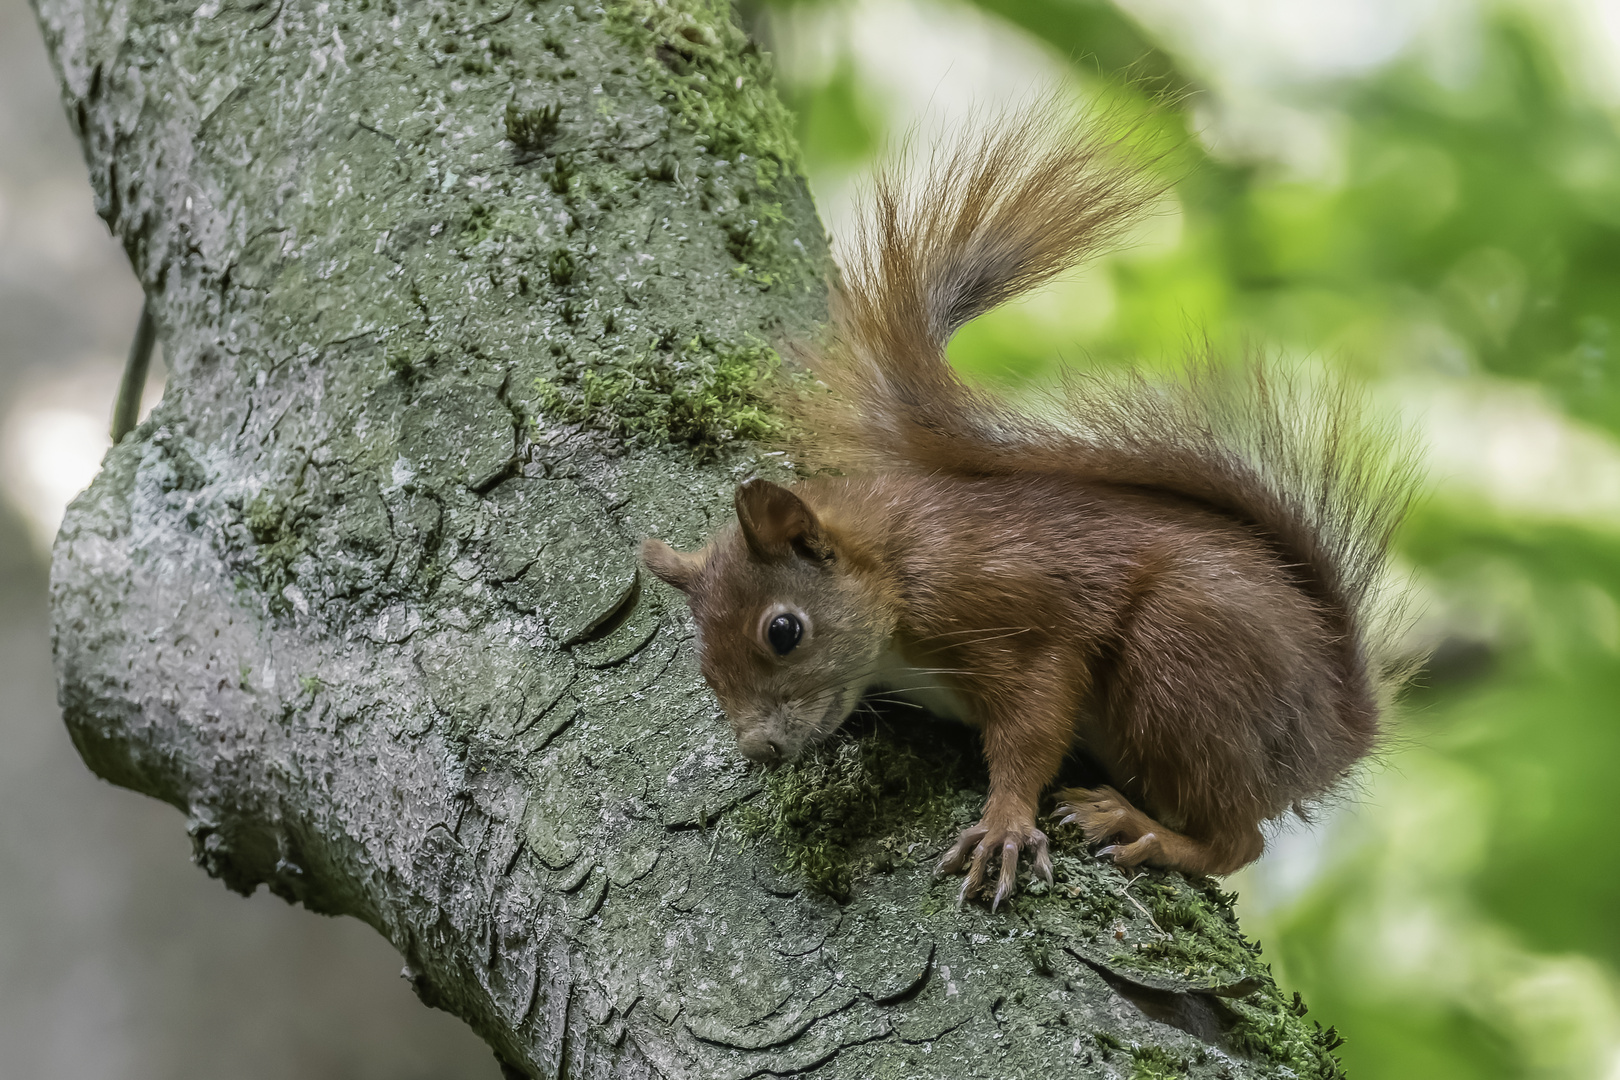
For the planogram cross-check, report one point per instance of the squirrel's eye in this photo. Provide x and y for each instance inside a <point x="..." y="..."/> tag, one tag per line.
<point x="784" y="633"/>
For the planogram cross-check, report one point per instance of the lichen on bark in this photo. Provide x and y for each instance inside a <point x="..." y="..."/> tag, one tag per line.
<point x="360" y="597"/>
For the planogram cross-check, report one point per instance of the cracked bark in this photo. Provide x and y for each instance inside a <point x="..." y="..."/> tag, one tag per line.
<point x="370" y="619"/>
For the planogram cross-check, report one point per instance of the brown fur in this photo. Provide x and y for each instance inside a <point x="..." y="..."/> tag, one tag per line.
<point x="1175" y="573"/>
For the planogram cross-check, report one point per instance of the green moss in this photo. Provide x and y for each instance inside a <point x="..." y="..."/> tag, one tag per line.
<point x="753" y="238"/>
<point x="1184" y="931"/>
<point x="1201" y="939"/>
<point x="719" y="86"/>
<point x="1268" y="1027"/>
<point x="852" y="807"/>
<point x="479" y="225"/>
<point x="714" y="79"/>
<point x="531" y="129"/>
<point x="1039" y="954"/>
<point x="702" y="394"/>
<point x="561" y="174"/>
<point x="273" y="524"/>
<point x="561" y="267"/>
<point x="408" y="361"/>
<point x="1201" y="931"/>
<point x="1081" y="887"/>
<point x="1156" y="1063"/>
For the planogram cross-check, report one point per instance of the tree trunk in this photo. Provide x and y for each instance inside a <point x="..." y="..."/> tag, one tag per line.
<point x="460" y="299"/>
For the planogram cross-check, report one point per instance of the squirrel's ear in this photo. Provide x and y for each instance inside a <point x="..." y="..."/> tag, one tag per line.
<point x="677" y="568"/>
<point x="777" y="524"/>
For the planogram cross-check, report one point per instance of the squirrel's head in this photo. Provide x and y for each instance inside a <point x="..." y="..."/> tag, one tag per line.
<point x="790" y="632"/>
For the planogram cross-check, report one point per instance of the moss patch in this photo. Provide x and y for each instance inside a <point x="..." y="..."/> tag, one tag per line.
<point x="1176" y="934"/>
<point x="1199" y="932"/>
<point x="858" y="805"/>
<point x="714" y="78"/>
<point x="1156" y="1063"/>
<point x="718" y="85"/>
<point x="1202" y="936"/>
<point x="276" y="527"/>
<point x="530" y="129"/>
<point x="1269" y="1027"/>
<point x="702" y="394"/>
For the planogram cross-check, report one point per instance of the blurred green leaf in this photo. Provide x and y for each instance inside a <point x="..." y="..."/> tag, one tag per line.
<point x="836" y="126"/>
<point x="1097" y="37"/>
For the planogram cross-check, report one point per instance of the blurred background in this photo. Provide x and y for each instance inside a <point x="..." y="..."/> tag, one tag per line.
<point x="1424" y="194"/>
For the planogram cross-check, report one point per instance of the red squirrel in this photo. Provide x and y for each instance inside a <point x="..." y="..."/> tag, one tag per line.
<point x="1176" y="574"/>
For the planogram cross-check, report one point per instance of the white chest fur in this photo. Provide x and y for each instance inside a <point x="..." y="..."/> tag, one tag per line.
<point x="925" y="688"/>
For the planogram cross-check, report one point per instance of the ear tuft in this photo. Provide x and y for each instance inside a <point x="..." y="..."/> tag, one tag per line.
<point x="777" y="524"/>
<point x="677" y="568"/>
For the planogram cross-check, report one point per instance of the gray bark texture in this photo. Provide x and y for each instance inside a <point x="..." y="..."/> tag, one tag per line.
<point x="460" y="298"/>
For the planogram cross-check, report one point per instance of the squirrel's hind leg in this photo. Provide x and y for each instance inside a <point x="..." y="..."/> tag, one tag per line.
<point x="1105" y="814"/>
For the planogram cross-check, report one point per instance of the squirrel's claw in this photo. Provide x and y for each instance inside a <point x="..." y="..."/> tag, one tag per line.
<point x="1100" y="812"/>
<point x="956" y="855"/>
<point x="982" y="842"/>
<point x="1104" y="814"/>
<point x="1043" y="858"/>
<point x="1007" y="884"/>
<point x="1134" y="853"/>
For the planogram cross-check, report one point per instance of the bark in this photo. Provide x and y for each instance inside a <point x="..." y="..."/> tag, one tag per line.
<point x="460" y="299"/>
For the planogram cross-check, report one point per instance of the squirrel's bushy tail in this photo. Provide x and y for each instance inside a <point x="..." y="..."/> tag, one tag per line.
<point x="1004" y="212"/>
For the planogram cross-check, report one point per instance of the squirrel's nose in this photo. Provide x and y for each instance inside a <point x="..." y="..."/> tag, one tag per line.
<point x="757" y="747"/>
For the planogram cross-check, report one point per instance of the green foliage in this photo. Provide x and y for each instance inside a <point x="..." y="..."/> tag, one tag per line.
<point x="705" y="395"/>
<point x="1486" y="208"/>
<point x="834" y="120"/>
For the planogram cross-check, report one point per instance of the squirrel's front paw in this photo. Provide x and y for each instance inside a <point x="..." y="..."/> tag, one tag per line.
<point x="977" y="844"/>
